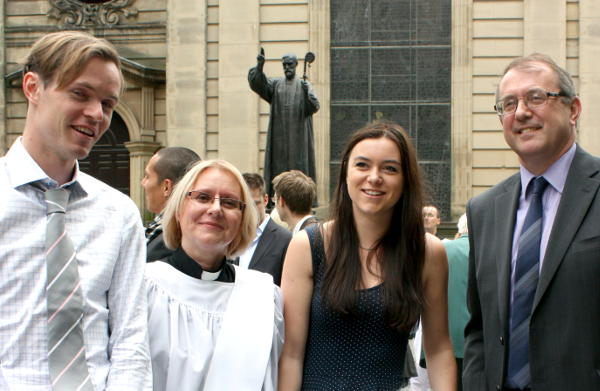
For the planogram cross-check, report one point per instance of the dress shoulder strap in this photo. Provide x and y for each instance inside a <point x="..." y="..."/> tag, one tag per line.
<point x="317" y="248"/>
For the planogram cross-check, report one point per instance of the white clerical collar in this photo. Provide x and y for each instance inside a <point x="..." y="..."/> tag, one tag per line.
<point x="210" y="276"/>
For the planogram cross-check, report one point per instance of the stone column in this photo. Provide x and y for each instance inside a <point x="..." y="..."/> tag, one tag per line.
<point x="238" y="105"/>
<point x="545" y="28"/>
<point x="319" y="42"/>
<point x="139" y="154"/>
<point x="462" y="105"/>
<point x="589" y="74"/>
<point x="186" y="74"/>
<point x="147" y="131"/>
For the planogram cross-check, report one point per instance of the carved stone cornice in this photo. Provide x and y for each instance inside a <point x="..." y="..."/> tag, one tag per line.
<point x="145" y="76"/>
<point x="91" y="13"/>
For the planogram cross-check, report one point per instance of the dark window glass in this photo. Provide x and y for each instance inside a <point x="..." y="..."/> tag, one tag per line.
<point x="391" y="59"/>
<point x="433" y="66"/>
<point x="391" y="22"/>
<point x="350" y="25"/>
<point x="433" y="132"/>
<point x="109" y="158"/>
<point x="392" y="74"/>
<point x="344" y="119"/>
<point x="348" y="70"/>
<point x="432" y="21"/>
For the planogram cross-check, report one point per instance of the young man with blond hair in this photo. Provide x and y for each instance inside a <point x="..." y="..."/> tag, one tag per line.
<point x="72" y="304"/>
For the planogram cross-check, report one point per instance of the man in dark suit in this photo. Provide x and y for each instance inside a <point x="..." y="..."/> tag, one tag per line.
<point x="534" y="268"/>
<point x="295" y="194"/>
<point x="164" y="169"/>
<point x="267" y="251"/>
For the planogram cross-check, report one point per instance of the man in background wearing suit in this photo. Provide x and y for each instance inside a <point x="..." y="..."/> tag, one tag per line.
<point x="267" y="251"/>
<point x="164" y="169"/>
<point x="295" y="194"/>
<point x="534" y="267"/>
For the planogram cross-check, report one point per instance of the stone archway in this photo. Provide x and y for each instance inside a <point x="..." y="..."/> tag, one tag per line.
<point x="108" y="160"/>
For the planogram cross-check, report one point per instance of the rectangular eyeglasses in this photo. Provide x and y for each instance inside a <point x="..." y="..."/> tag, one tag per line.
<point x="225" y="202"/>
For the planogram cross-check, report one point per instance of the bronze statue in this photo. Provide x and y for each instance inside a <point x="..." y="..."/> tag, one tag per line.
<point x="290" y="140"/>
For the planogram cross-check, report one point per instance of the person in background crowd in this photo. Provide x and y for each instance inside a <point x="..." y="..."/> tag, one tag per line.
<point x="164" y="169"/>
<point x="72" y="307"/>
<point x="267" y="251"/>
<point x="295" y="194"/>
<point x="457" y="251"/>
<point x="534" y="238"/>
<point x="354" y="287"/>
<point x="431" y="219"/>
<point x="213" y="326"/>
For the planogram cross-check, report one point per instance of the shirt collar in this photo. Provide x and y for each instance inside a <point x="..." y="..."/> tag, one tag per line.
<point x="556" y="174"/>
<point x="299" y="223"/>
<point x="23" y="169"/>
<point x="262" y="226"/>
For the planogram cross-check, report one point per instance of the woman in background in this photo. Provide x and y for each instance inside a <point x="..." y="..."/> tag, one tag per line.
<point x="355" y="287"/>
<point x="212" y="326"/>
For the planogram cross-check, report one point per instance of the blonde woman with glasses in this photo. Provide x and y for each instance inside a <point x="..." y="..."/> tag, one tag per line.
<point x="212" y="326"/>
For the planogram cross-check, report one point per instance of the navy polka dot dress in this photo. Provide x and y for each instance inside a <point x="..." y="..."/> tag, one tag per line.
<point x="360" y="353"/>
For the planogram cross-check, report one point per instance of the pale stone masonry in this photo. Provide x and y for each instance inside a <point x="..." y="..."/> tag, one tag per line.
<point x="206" y="47"/>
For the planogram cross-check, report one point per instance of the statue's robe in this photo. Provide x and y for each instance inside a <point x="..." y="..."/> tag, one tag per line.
<point x="290" y="138"/>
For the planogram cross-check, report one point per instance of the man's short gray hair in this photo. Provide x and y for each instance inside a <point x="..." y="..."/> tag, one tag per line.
<point x="565" y="82"/>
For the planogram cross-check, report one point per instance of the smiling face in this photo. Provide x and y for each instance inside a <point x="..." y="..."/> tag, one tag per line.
<point x="374" y="179"/>
<point x="207" y="228"/>
<point x="542" y="135"/>
<point x="64" y="124"/>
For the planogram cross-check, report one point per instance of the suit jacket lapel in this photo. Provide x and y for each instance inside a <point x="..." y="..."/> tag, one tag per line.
<point x="579" y="192"/>
<point x="505" y="214"/>
<point x="263" y="244"/>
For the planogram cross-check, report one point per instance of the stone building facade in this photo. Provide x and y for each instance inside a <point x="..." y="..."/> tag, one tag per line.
<point x="185" y="64"/>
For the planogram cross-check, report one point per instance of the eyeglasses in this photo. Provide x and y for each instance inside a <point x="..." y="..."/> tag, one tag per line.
<point x="532" y="99"/>
<point x="205" y="198"/>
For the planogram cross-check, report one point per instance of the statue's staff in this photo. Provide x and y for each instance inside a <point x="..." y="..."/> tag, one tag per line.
<point x="308" y="59"/>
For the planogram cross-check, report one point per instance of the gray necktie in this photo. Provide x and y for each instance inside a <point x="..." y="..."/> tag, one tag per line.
<point x="66" y="350"/>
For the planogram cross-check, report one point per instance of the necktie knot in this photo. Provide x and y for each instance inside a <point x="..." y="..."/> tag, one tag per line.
<point x="56" y="200"/>
<point x="538" y="185"/>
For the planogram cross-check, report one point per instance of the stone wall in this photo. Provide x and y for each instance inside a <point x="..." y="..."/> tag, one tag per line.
<point x="207" y="46"/>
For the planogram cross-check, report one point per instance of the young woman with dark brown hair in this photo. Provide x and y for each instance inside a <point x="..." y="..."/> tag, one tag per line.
<point x="354" y="287"/>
